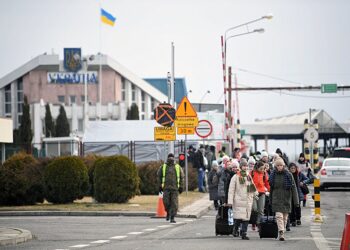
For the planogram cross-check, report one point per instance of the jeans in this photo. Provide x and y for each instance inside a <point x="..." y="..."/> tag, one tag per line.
<point x="259" y="205"/>
<point x="201" y="179"/>
<point x="244" y="224"/>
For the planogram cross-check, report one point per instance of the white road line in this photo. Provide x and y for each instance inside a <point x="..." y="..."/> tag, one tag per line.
<point x="150" y="229"/>
<point x="320" y="241"/>
<point x="100" y="241"/>
<point x="80" y="246"/>
<point x="164" y="226"/>
<point x="189" y="220"/>
<point x="118" y="237"/>
<point x="135" y="233"/>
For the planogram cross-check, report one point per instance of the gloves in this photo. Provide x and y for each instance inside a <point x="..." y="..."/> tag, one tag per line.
<point x="180" y="190"/>
<point x="160" y="189"/>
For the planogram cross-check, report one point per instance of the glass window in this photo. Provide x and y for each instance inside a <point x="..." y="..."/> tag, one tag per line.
<point x="82" y="98"/>
<point x="133" y="93"/>
<point x="7" y="108"/>
<point x="20" y="107"/>
<point x="81" y="125"/>
<point x="61" y="98"/>
<point x="72" y="99"/>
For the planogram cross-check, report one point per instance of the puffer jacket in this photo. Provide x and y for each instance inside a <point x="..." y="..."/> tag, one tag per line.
<point x="224" y="176"/>
<point x="261" y="181"/>
<point x="240" y="198"/>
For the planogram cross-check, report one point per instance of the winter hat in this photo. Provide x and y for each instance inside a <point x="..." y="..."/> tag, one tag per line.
<point x="225" y="159"/>
<point x="264" y="153"/>
<point x="279" y="161"/>
<point x="234" y="162"/>
<point x="170" y="155"/>
<point x="243" y="162"/>
<point x="214" y="164"/>
<point x="251" y="160"/>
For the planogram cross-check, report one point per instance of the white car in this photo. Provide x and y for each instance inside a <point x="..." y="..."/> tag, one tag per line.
<point x="335" y="172"/>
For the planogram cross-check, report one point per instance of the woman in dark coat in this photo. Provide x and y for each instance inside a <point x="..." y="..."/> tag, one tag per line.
<point x="283" y="192"/>
<point x="213" y="182"/>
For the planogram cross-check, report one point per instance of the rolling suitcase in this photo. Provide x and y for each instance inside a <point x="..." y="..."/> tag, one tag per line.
<point x="221" y="222"/>
<point x="268" y="227"/>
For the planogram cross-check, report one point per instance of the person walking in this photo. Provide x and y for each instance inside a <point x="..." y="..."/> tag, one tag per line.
<point x="170" y="179"/>
<point x="240" y="197"/>
<point x="200" y="166"/>
<point x="283" y="191"/>
<point x="213" y="182"/>
<point x="261" y="181"/>
<point x="225" y="175"/>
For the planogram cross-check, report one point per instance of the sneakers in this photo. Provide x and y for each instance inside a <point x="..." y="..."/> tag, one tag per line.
<point x="294" y="224"/>
<point x="298" y="222"/>
<point x="288" y="228"/>
<point x="281" y="235"/>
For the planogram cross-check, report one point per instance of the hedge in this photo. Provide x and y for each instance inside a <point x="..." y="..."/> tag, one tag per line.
<point x="115" y="179"/>
<point x="148" y="177"/>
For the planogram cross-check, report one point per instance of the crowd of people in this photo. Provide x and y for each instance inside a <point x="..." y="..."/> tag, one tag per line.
<point x="254" y="186"/>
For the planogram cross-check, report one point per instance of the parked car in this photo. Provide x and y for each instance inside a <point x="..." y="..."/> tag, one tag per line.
<point x="342" y="152"/>
<point x="335" y="172"/>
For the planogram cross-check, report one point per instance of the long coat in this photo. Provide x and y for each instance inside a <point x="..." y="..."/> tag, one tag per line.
<point x="213" y="181"/>
<point x="280" y="198"/>
<point x="225" y="176"/>
<point x="240" y="198"/>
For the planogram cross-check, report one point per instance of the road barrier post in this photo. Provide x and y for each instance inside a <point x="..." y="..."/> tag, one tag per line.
<point x="317" y="199"/>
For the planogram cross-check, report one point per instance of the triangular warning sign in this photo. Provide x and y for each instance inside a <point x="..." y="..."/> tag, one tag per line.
<point x="185" y="109"/>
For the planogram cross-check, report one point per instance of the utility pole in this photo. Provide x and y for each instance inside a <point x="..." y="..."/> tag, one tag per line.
<point x="230" y="118"/>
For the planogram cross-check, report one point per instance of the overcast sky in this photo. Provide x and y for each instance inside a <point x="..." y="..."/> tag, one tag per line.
<point x="307" y="42"/>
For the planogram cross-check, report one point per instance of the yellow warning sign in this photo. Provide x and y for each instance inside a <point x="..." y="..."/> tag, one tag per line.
<point x="164" y="134"/>
<point x="186" y="122"/>
<point x="185" y="131"/>
<point x="185" y="109"/>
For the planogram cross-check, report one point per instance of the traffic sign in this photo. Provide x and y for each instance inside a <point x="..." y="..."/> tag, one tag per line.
<point x="311" y="134"/>
<point x="186" y="122"/>
<point x="329" y="88"/>
<point x="185" y="131"/>
<point x="204" y="128"/>
<point x="164" y="134"/>
<point x="164" y="114"/>
<point x="185" y="109"/>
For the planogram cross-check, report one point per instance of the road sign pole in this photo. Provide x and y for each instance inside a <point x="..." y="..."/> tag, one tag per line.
<point x="186" y="165"/>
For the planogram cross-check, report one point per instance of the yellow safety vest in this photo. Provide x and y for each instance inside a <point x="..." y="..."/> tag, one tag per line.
<point x="177" y="169"/>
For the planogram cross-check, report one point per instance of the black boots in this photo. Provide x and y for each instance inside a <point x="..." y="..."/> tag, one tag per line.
<point x="244" y="236"/>
<point x="167" y="217"/>
<point x="172" y="219"/>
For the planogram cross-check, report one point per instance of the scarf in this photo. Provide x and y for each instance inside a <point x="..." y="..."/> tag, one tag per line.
<point x="287" y="180"/>
<point x="250" y="187"/>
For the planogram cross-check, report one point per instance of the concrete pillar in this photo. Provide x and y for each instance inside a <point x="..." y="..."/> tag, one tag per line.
<point x="74" y="118"/>
<point x="266" y="143"/>
<point x="2" y="102"/>
<point x="139" y="101"/>
<point x="148" y="108"/>
<point x="128" y="93"/>
<point x="255" y="144"/>
<point x="37" y="124"/>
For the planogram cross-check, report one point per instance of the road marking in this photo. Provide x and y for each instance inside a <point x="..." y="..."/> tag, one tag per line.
<point x="118" y="237"/>
<point x="100" y="241"/>
<point x="320" y="241"/>
<point x="164" y="226"/>
<point x="149" y="229"/>
<point x="189" y="220"/>
<point x="135" y="233"/>
<point x="80" y="246"/>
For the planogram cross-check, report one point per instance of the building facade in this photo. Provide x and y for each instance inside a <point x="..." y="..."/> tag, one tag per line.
<point x="111" y="90"/>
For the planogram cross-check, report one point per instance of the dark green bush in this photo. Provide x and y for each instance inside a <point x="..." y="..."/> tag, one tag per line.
<point x="20" y="181"/>
<point x="115" y="179"/>
<point x="89" y="161"/>
<point x="66" y="179"/>
<point x="148" y="177"/>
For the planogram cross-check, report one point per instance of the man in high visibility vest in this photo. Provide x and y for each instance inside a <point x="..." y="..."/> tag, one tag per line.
<point x="170" y="179"/>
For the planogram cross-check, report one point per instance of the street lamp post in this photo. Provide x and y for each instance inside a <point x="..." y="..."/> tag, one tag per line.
<point x="224" y="39"/>
<point x="200" y="102"/>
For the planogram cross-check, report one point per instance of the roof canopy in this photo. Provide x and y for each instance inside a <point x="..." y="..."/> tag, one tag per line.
<point x="292" y="126"/>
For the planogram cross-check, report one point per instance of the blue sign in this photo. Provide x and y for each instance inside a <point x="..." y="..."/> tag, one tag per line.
<point x="72" y="59"/>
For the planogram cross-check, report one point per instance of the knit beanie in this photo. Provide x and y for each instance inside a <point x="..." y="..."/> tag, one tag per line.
<point x="264" y="153"/>
<point x="243" y="162"/>
<point x="279" y="161"/>
<point x="251" y="160"/>
<point x="234" y="162"/>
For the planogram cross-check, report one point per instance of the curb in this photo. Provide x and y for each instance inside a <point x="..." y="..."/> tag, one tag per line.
<point x="23" y="236"/>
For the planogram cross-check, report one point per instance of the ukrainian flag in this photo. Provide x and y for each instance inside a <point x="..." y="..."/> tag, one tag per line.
<point x="107" y="18"/>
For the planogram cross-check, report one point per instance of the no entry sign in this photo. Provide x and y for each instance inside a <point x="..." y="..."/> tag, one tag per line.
<point x="204" y="128"/>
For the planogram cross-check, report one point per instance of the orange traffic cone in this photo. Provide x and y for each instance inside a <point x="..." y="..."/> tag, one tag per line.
<point x="345" y="243"/>
<point x="161" y="213"/>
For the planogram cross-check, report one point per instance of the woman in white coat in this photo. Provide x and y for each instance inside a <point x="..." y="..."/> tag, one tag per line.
<point x="240" y="196"/>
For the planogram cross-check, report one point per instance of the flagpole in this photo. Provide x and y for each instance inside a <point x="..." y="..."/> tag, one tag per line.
<point x="100" y="67"/>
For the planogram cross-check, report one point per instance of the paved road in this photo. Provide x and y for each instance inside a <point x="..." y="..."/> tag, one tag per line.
<point x="146" y="233"/>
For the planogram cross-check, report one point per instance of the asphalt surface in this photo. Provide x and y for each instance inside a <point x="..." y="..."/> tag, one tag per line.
<point x="90" y="232"/>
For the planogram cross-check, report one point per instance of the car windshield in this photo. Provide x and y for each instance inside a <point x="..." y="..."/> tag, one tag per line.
<point x="344" y="152"/>
<point x="337" y="163"/>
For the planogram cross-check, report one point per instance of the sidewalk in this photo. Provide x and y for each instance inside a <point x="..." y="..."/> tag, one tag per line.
<point x="13" y="236"/>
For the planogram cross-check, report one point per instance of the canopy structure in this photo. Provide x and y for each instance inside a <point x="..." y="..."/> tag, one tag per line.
<point x="291" y="127"/>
